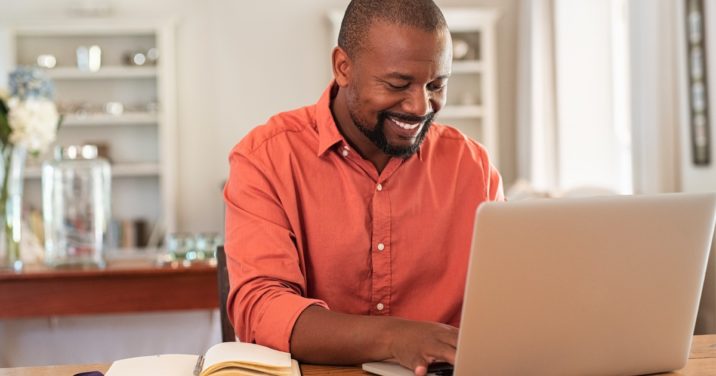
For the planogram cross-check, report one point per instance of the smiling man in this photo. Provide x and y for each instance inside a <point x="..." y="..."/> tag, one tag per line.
<point x="349" y="222"/>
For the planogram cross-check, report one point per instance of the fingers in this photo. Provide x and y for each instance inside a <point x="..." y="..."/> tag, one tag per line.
<point x="449" y="335"/>
<point x="421" y="370"/>
<point x="418" y="344"/>
<point x="449" y="356"/>
<point x="444" y="353"/>
<point x="438" y="352"/>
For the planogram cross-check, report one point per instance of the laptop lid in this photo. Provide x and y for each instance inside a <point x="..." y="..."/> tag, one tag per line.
<point x="597" y="286"/>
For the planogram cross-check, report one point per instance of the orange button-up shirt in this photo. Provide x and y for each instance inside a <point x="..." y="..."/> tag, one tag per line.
<point x="309" y="221"/>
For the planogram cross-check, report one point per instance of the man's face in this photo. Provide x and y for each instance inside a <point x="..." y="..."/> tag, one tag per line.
<point x="398" y="83"/>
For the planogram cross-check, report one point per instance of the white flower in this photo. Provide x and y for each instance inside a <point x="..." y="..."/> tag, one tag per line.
<point x="33" y="123"/>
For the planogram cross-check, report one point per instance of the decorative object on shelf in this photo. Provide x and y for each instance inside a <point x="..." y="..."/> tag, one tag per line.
<point x="89" y="59"/>
<point x="102" y="149"/>
<point x="698" y="92"/>
<point x="135" y="58"/>
<point x="28" y="123"/>
<point x="114" y="108"/>
<point x="76" y="188"/>
<point x="185" y="249"/>
<point x="153" y="55"/>
<point x="460" y="49"/>
<point x="140" y="58"/>
<point x="46" y="61"/>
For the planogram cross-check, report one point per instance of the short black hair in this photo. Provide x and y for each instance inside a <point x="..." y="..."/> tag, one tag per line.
<point x="360" y="14"/>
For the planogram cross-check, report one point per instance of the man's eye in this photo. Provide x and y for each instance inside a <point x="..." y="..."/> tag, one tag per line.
<point x="398" y="87"/>
<point x="436" y="87"/>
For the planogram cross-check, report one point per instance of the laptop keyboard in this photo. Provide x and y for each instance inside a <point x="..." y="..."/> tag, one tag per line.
<point x="440" y="369"/>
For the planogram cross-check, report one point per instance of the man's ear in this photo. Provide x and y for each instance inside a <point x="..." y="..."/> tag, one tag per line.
<point x="341" y="67"/>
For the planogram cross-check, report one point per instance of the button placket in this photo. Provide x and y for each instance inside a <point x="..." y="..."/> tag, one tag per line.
<point x="381" y="260"/>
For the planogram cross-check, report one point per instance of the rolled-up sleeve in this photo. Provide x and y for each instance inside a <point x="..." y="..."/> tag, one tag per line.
<point x="266" y="269"/>
<point x="493" y="181"/>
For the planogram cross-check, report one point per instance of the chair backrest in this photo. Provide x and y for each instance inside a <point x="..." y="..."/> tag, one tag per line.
<point x="222" y="273"/>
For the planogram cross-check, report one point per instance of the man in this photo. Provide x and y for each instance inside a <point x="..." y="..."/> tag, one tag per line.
<point x="349" y="222"/>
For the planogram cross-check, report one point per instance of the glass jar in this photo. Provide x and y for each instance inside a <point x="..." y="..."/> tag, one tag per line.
<point x="76" y="206"/>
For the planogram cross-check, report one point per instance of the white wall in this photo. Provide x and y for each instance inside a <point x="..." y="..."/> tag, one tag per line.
<point x="240" y="62"/>
<point x="590" y="142"/>
<point x="655" y="98"/>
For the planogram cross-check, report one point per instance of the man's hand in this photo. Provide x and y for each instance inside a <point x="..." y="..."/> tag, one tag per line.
<point x="416" y="344"/>
<point x="325" y="337"/>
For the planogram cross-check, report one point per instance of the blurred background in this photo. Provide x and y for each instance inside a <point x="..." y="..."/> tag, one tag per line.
<point x="571" y="97"/>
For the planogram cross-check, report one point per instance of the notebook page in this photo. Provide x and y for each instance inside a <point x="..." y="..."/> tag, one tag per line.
<point x="246" y="353"/>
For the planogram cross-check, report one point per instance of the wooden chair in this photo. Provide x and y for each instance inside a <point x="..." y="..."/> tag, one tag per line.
<point x="227" y="330"/>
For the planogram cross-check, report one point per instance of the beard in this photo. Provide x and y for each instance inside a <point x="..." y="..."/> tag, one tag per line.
<point x="376" y="134"/>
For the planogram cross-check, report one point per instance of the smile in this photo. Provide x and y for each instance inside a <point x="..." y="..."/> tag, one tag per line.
<point x="403" y="125"/>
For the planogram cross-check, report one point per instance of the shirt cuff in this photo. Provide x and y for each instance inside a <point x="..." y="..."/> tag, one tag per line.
<point x="276" y="326"/>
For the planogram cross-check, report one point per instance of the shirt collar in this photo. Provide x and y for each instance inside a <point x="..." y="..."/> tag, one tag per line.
<point x="328" y="134"/>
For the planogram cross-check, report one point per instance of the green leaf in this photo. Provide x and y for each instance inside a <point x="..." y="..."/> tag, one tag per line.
<point x="59" y="122"/>
<point x="4" y="128"/>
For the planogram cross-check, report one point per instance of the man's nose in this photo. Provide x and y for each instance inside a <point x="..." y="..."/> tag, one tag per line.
<point x="418" y="102"/>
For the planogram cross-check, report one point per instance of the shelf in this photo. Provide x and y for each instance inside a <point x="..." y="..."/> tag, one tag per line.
<point x="132" y="118"/>
<point x="467" y="66"/>
<point x="90" y="27"/>
<point x="461" y="112"/>
<point x="71" y="73"/>
<point x="119" y="170"/>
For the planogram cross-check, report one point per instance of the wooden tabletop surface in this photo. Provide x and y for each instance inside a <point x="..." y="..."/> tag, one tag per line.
<point x="702" y="362"/>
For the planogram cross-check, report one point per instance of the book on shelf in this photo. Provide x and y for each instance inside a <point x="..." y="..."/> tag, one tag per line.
<point x="228" y="358"/>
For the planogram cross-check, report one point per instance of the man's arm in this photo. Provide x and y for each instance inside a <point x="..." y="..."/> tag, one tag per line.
<point x="327" y="337"/>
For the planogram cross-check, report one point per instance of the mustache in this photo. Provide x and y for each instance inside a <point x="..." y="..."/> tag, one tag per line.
<point x="411" y="119"/>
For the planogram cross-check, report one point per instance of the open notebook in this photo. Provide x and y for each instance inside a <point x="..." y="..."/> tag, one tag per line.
<point x="228" y="358"/>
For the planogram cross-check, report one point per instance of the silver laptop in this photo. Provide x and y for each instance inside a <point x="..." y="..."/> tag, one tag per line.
<point x="595" y="286"/>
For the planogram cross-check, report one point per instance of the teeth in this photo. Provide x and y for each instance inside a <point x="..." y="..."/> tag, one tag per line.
<point x="405" y="125"/>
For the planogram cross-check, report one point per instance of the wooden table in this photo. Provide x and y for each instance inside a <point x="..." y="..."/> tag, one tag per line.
<point x="702" y="362"/>
<point x="121" y="287"/>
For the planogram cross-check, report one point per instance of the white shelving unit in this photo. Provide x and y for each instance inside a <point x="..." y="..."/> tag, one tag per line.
<point x="124" y="170"/>
<point x="472" y="89"/>
<point x="119" y="72"/>
<point x="141" y="141"/>
<point x="92" y="120"/>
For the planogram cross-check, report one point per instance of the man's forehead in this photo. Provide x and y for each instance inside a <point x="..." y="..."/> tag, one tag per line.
<point x="395" y="49"/>
<point x="405" y="40"/>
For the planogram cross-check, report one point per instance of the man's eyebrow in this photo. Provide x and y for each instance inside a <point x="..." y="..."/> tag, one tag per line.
<point x="399" y="76"/>
<point x="407" y="77"/>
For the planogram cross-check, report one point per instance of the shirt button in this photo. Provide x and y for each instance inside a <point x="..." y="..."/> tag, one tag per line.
<point x="380" y="306"/>
<point x="379" y="187"/>
<point x="344" y="152"/>
<point x="381" y="246"/>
